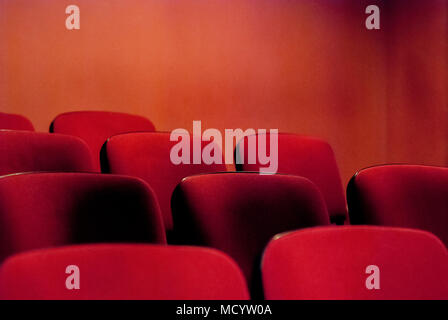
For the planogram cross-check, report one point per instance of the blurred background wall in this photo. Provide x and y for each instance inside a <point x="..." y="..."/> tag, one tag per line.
<point x="302" y="66"/>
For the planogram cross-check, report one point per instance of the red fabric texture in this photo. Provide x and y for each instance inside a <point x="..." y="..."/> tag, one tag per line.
<point x="95" y="127"/>
<point x="330" y="263"/>
<point x="238" y="213"/>
<point x="124" y="272"/>
<point x="402" y="196"/>
<point x="15" y="122"/>
<point x="308" y="157"/>
<point x="24" y="151"/>
<point x="147" y="156"/>
<point x="40" y="210"/>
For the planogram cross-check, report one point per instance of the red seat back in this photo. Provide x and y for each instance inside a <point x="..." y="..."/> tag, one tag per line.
<point x="239" y="212"/>
<point x="147" y="156"/>
<point x="401" y="196"/>
<point x="25" y="151"/>
<point x="308" y="157"/>
<point x="124" y="272"/>
<point x="15" y="122"/>
<point x="95" y="127"/>
<point x="332" y="263"/>
<point x="40" y="210"/>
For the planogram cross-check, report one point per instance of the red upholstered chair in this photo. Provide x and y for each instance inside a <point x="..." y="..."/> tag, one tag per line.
<point x="303" y="156"/>
<point x="123" y="272"/>
<point x="238" y="213"/>
<point x="23" y="151"/>
<point x="332" y="263"/>
<point x="402" y="196"/>
<point x="147" y="156"/>
<point x="95" y="127"/>
<point x="15" y="122"/>
<point x="40" y="210"/>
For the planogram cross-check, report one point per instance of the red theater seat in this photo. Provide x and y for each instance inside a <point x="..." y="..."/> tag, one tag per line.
<point x="331" y="263"/>
<point x="40" y="210"/>
<point x="23" y="151"/>
<point x="110" y="272"/>
<point x="401" y="196"/>
<point x="15" y="122"/>
<point x="95" y="127"/>
<point x="308" y="157"/>
<point x="238" y="213"/>
<point x="147" y="156"/>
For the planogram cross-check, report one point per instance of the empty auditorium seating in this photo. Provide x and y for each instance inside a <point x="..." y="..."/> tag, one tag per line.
<point x="40" y="210"/>
<point x="401" y="195"/>
<point x="15" y="122"/>
<point x="110" y="272"/>
<point x="94" y="127"/>
<point x="331" y="263"/>
<point x="303" y="156"/>
<point x="147" y="155"/>
<point x="23" y="151"/>
<point x="239" y="212"/>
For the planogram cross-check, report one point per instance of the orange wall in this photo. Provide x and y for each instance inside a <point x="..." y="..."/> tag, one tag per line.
<point x="301" y="66"/>
<point x="418" y="81"/>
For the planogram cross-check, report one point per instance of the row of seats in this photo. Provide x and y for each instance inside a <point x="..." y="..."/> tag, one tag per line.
<point x="316" y="263"/>
<point x="236" y="213"/>
<point x="222" y="210"/>
<point x="145" y="195"/>
<point x="97" y="127"/>
<point x="394" y="195"/>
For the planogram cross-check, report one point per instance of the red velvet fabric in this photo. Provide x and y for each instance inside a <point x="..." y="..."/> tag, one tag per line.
<point x="24" y="151"/>
<point x="239" y="212"/>
<point x="403" y="196"/>
<point x="147" y="156"/>
<point x="95" y="127"/>
<point x="309" y="157"/>
<point x="40" y="210"/>
<point x="123" y="272"/>
<point x="330" y="263"/>
<point x="15" y="122"/>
